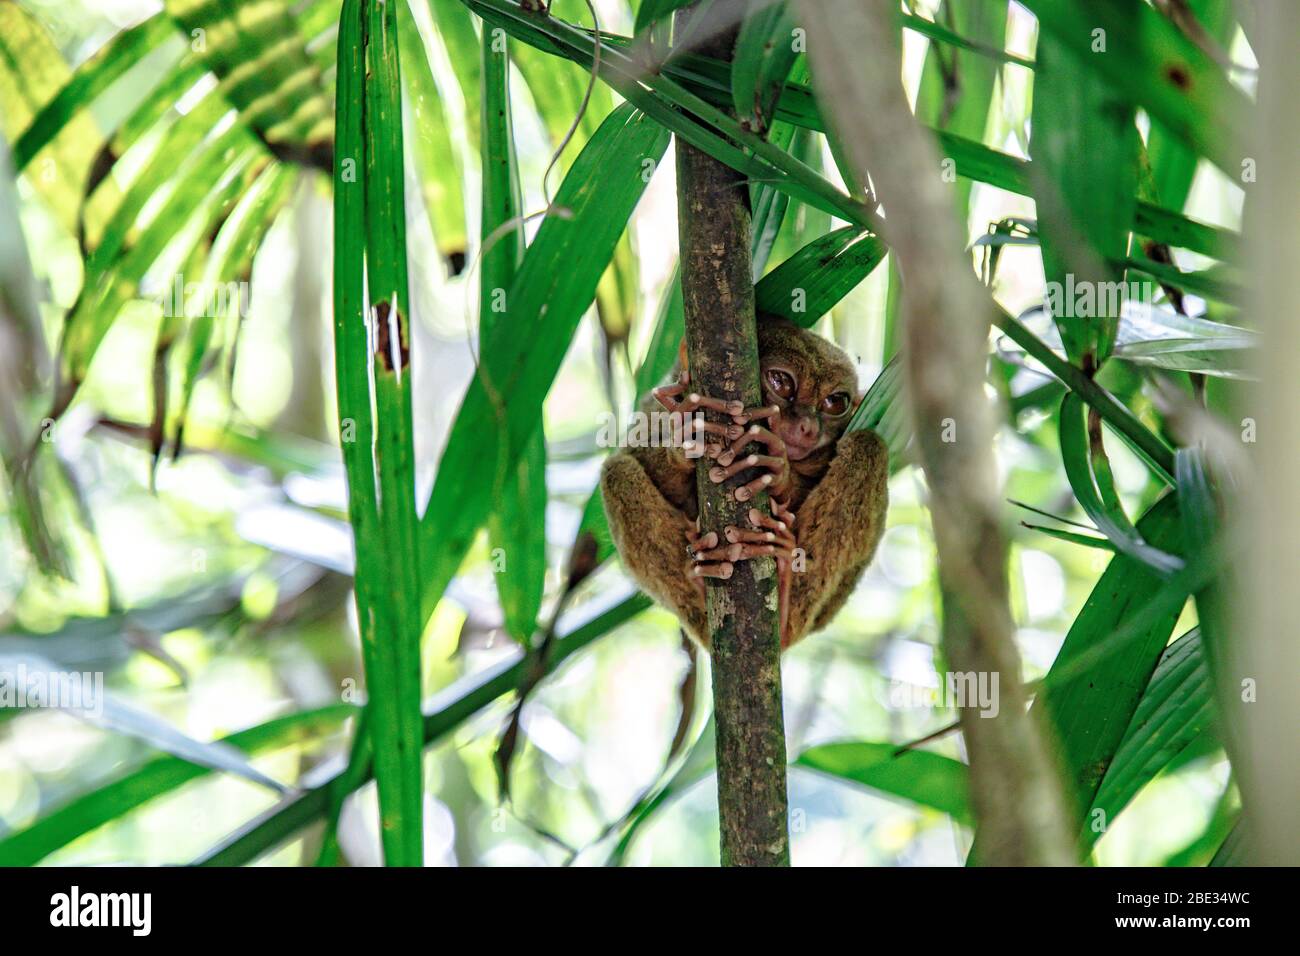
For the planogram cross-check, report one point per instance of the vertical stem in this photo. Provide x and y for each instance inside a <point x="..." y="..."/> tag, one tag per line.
<point x="1258" y="695"/>
<point x="722" y="349"/>
<point x="1015" y="788"/>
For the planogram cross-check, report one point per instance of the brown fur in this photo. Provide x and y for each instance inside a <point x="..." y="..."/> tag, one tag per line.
<point x="838" y="494"/>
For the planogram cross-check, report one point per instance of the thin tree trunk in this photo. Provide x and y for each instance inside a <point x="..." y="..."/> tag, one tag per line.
<point x="1260" y="703"/>
<point x="722" y="349"/>
<point x="1015" y="788"/>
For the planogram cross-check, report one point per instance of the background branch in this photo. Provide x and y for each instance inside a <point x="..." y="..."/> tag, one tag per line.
<point x="856" y="71"/>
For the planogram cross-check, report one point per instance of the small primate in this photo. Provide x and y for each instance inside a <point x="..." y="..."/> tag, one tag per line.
<point x="828" y="489"/>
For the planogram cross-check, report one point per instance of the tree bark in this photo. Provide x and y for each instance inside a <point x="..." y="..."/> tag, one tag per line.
<point x="722" y="353"/>
<point x="1258" y="698"/>
<point x="1015" y="787"/>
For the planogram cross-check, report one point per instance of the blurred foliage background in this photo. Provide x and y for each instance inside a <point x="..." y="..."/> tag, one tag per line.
<point x="192" y="541"/>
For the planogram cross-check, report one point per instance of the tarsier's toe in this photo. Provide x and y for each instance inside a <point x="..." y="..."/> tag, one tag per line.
<point x="740" y="535"/>
<point x="701" y="542"/>
<point x="713" y="569"/>
<point x="746" y="492"/>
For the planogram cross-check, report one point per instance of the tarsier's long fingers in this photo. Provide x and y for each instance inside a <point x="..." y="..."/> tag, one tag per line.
<point x="697" y="542"/>
<point x="754" y="433"/>
<point x="666" y="395"/>
<point x="778" y="479"/>
<point x="743" y="552"/>
<point x="780" y="523"/>
<point x="757" y="413"/>
<point x="719" y="473"/>
<point x="783" y="514"/>
<point x="701" y="542"/>
<point x="781" y="520"/>
<point x="747" y="491"/>
<point x="783" y="531"/>
<point x="737" y="535"/>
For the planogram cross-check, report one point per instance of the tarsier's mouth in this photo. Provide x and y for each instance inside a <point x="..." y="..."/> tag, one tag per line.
<point x="798" y="452"/>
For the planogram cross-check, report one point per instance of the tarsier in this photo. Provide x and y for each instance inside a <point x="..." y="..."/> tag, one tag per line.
<point x="828" y="488"/>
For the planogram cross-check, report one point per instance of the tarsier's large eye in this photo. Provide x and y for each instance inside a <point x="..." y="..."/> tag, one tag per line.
<point x="836" y="404"/>
<point x="781" y="383"/>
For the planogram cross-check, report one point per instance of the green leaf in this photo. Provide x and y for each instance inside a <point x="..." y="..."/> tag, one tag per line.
<point x="1085" y="149"/>
<point x="957" y="85"/>
<point x="692" y="83"/>
<point x="770" y="206"/>
<point x="1150" y="447"/>
<point x="1165" y="339"/>
<point x="699" y="763"/>
<point x="455" y="28"/>
<point x="987" y="45"/>
<point x="1150" y="63"/>
<point x="1212" y="283"/>
<point x="552" y="289"/>
<point x="670" y="326"/>
<point x="1091" y="700"/>
<point x="654" y="11"/>
<point x="90" y="80"/>
<point x="32" y="72"/>
<point x="517" y="525"/>
<point x="102" y="708"/>
<point x="1088" y="470"/>
<point x="260" y="54"/>
<point x="1235" y="849"/>
<point x="672" y="105"/>
<point x="20" y="312"/>
<point x="928" y="779"/>
<point x="1175" y="710"/>
<point x="193" y="207"/>
<point x="883" y="412"/>
<point x="231" y="260"/>
<point x="159" y="776"/>
<point x="373" y="361"/>
<point x="396" y="584"/>
<point x="1073" y="537"/>
<point x="765" y="52"/>
<point x="808" y="284"/>
<point x="1173" y="163"/>
<point x="436" y="158"/>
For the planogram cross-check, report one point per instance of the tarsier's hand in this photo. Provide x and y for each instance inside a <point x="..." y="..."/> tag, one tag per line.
<point x="675" y="399"/>
<point x="725" y="442"/>
<point x="775" y="466"/>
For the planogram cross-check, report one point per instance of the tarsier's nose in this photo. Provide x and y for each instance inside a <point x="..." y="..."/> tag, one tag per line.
<point x="806" y="429"/>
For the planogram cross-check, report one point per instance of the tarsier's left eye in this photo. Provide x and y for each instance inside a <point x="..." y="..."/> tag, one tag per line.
<point x="836" y="404"/>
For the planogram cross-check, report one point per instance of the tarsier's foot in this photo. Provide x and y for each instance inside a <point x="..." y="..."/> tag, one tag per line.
<point x="712" y="559"/>
<point x="698" y="568"/>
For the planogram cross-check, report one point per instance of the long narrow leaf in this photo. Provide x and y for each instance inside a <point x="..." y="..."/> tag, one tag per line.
<point x="551" y="291"/>
<point x="928" y="779"/>
<point x="517" y="526"/>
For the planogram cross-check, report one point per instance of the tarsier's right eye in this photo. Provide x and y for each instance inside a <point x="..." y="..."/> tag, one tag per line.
<point x="781" y="383"/>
